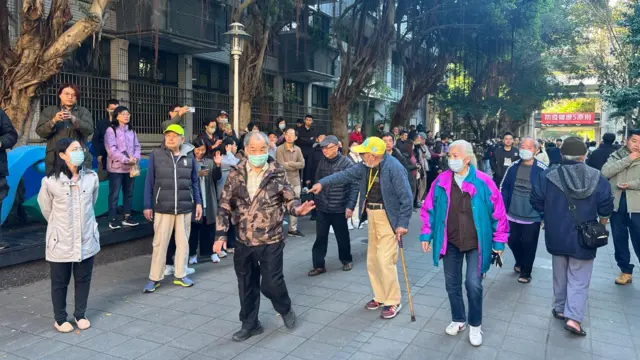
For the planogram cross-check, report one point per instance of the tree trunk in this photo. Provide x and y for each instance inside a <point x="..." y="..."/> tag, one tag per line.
<point x="339" y="120"/>
<point x="38" y="53"/>
<point x="245" y="114"/>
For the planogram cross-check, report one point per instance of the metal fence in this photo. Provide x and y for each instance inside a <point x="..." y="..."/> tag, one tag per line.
<point x="149" y="104"/>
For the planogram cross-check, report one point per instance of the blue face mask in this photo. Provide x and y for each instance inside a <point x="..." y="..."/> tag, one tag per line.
<point x="76" y="158"/>
<point x="258" y="160"/>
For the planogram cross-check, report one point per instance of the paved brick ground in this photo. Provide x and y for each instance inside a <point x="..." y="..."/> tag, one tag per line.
<point x="197" y="323"/>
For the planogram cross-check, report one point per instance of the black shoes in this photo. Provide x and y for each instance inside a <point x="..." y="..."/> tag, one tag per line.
<point x="289" y="319"/>
<point x="244" y="334"/>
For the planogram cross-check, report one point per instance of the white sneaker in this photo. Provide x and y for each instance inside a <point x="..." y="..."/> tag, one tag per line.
<point x="366" y="222"/>
<point x="193" y="260"/>
<point x="223" y="254"/>
<point x="455" y="327"/>
<point x="168" y="270"/>
<point x="475" y="335"/>
<point x="350" y="225"/>
<point x="189" y="271"/>
<point x="215" y="258"/>
<point x="331" y="229"/>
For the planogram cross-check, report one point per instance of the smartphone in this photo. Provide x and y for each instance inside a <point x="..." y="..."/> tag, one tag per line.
<point x="192" y="109"/>
<point x="204" y="167"/>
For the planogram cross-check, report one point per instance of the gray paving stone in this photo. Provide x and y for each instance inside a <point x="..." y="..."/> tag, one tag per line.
<point x="77" y="337"/>
<point x="313" y="350"/>
<point x="104" y="342"/>
<point x="218" y="327"/>
<point x="612" y="351"/>
<point x="365" y="356"/>
<point x="464" y="349"/>
<point x="41" y="349"/>
<point x="193" y="341"/>
<point x="136" y="328"/>
<point x="350" y="323"/>
<point x="259" y="353"/>
<point x="319" y="316"/>
<point x="389" y="349"/>
<point x="224" y="349"/>
<point x="282" y="342"/>
<point x="440" y="343"/>
<point x="529" y="348"/>
<point x="17" y="340"/>
<point x="334" y="336"/>
<point x="132" y="349"/>
<point x="415" y="352"/>
<point x="165" y="353"/>
<point x="397" y="333"/>
<point x="305" y="329"/>
<point x="75" y="353"/>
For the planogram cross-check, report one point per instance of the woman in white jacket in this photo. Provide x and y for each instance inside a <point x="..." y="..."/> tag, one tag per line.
<point x="67" y="198"/>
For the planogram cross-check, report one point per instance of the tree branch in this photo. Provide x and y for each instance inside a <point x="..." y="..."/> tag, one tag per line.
<point x="7" y="56"/>
<point x="59" y="16"/>
<point x="76" y="34"/>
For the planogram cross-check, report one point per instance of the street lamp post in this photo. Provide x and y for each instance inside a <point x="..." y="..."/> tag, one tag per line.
<point x="237" y="36"/>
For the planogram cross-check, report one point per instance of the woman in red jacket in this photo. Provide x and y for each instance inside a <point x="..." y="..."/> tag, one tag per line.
<point x="356" y="134"/>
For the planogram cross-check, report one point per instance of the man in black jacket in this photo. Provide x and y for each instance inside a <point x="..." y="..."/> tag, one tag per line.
<point x="98" y="134"/>
<point x="306" y="138"/>
<point x="599" y="157"/>
<point x="503" y="157"/>
<point x="8" y="138"/>
<point x="334" y="206"/>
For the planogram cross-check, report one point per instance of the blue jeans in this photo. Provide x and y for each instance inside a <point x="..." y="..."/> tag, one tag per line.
<point x="117" y="181"/>
<point x="452" y="263"/>
<point x="624" y="224"/>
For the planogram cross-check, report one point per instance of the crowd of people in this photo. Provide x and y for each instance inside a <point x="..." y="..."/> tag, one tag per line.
<point x="222" y="194"/>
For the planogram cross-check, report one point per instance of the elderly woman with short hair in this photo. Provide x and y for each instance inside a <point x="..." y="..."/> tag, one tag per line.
<point x="464" y="218"/>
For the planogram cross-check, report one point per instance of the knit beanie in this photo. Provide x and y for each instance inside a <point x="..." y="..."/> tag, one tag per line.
<point x="573" y="146"/>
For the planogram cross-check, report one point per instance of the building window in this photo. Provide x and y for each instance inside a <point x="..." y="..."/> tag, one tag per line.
<point x="396" y="77"/>
<point x="293" y="92"/>
<point x="200" y="72"/>
<point x="143" y="65"/>
<point x="319" y="97"/>
<point x="89" y="59"/>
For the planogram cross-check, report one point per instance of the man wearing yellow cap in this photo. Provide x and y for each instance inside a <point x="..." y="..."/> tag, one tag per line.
<point x="385" y="196"/>
<point x="171" y="192"/>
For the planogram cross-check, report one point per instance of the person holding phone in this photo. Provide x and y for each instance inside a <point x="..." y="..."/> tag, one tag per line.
<point x="176" y="116"/>
<point x="202" y="230"/>
<point x="623" y="171"/>
<point x="123" y="154"/>
<point x="67" y="120"/>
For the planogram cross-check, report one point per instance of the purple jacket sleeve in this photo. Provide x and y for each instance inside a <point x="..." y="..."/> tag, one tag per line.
<point x="136" y="147"/>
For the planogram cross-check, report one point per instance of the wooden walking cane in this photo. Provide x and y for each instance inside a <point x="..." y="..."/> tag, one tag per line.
<point x="406" y="279"/>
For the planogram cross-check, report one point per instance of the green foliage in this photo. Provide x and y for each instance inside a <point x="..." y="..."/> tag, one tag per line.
<point x="570" y="105"/>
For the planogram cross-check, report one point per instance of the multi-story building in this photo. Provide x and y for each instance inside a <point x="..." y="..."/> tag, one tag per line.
<point x="156" y="53"/>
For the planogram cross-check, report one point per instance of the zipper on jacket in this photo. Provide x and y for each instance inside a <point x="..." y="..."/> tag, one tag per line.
<point x="158" y="194"/>
<point x="175" y="184"/>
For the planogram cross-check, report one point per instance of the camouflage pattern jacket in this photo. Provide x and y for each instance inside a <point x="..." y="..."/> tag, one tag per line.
<point x="257" y="221"/>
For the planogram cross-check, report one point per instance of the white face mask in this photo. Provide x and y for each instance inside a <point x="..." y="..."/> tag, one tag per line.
<point x="526" y="154"/>
<point x="592" y="148"/>
<point x="456" y="165"/>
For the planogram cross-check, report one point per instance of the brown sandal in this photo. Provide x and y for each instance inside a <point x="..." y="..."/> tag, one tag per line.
<point x="316" y="272"/>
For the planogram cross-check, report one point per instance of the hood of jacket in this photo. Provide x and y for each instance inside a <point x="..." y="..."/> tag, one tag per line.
<point x="185" y="148"/>
<point x="581" y="180"/>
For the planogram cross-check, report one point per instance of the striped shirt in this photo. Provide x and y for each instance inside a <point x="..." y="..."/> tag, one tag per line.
<point x="254" y="179"/>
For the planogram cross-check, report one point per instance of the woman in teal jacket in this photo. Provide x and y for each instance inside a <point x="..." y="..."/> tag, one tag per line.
<point x="471" y="203"/>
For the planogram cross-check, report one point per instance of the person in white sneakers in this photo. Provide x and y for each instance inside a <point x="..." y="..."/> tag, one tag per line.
<point x="464" y="218"/>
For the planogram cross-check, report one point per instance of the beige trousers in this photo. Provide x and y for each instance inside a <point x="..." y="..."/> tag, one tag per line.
<point x="163" y="226"/>
<point x="382" y="256"/>
<point x="293" y="221"/>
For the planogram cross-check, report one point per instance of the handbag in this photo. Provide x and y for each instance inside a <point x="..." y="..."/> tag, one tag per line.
<point x="135" y="170"/>
<point x="592" y="234"/>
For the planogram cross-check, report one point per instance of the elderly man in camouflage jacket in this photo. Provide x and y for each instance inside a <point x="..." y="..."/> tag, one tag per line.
<point x="253" y="199"/>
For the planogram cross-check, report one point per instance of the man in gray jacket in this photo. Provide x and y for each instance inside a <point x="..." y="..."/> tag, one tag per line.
<point x="623" y="171"/>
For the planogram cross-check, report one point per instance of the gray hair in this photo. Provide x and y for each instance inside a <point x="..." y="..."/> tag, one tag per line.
<point x="252" y="134"/>
<point x="535" y="143"/>
<point x="467" y="150"/>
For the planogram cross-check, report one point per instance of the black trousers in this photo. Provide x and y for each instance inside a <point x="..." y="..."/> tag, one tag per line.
<point x="523" y="241"/>
<point x="202" y="234"/>
<point x="259" y="268"/>
<point x="323" y="222"/>
<point x="60" y="277"/>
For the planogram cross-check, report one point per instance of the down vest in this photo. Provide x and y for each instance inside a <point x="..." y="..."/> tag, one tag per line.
<point x="335" y="198"/>
<point x="72" y="230"/>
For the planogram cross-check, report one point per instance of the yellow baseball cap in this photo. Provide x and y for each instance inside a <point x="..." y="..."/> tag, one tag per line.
<point x="174" y="128"/>
<point x="373" y="145"/>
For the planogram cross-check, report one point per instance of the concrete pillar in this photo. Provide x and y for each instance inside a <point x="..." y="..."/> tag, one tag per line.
<point x="185" y="83"/>
<point x="119" y="72"/>
<point x="308" y="95"/>
<point x="278" y="88"/>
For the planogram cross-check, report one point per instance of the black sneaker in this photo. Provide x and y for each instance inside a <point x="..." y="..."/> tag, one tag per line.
<point x="129" y="221"/>
<point x="296" y="233"/>
<point x="114" y="224"/>
<point x="244" y="334"/>
<point x="289" y="319"/>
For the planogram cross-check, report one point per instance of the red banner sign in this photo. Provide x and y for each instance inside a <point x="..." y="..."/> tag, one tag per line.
<point x="568" y="119"/>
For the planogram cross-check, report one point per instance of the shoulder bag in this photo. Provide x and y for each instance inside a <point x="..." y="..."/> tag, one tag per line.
<point x="592" y="234"/>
